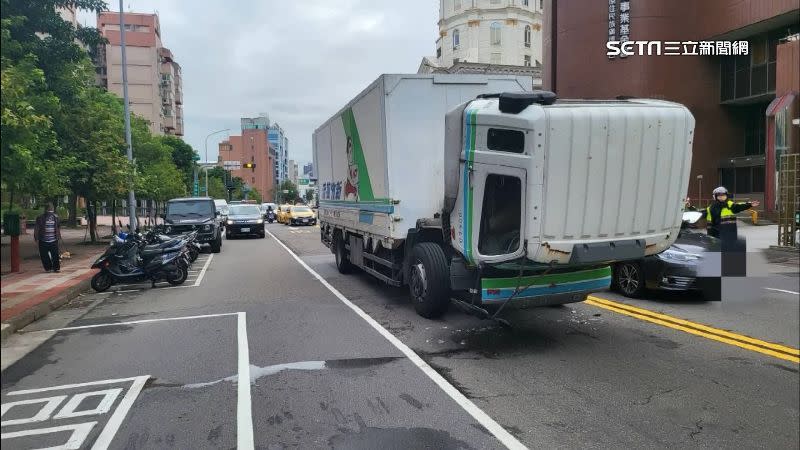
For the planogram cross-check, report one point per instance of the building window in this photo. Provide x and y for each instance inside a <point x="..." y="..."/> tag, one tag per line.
<point x="495" y="29"/>
<point x="495" y="58"/>
<point x="456" y="39"/>
<point x="527" y="35"/>
<point x="456" y="5"/>
<point x="524" y="2"/>
<point x="527" y="62"/>
<point x="754" y="74"/>
<point x="253" y="179"/>
<point x="541" y="4"/>
<point x="438" y="52"/>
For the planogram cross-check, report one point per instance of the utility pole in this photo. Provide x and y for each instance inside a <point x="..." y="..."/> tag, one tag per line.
<point x="131" y="195"/>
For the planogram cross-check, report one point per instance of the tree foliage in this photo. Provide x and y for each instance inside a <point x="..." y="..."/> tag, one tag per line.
<point x="62" y="134"/>
<point x="288" y="192"/>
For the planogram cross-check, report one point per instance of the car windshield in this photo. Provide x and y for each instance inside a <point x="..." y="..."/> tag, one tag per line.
<point x="301" y="209"/>
<point x="190" y="208"/>
<point x="244" y="210"/>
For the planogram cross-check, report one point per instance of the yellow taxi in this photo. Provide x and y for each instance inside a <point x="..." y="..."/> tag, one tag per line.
<point x="281" y="213"/>
<point x="300" y="215"/>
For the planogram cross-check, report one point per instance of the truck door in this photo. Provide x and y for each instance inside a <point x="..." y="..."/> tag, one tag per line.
<point x="498" y="212"/>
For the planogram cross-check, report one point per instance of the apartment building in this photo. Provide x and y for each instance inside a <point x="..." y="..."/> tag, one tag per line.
<point x="154" y="77"/>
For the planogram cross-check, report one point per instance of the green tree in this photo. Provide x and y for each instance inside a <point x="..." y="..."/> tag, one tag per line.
<point x="288" y="192"/>
<point x="27" y="138"/>
<point x="184" y="157"/>
<point x="309" y="195"/>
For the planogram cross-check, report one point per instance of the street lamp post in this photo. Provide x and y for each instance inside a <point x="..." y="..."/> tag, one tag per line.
<point x="131" y="195"/>
<point x="216" y="132"/>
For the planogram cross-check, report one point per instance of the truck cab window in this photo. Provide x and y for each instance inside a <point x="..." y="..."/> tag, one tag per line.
<point x="501" y="215"/>
<point x="502" y="140"/>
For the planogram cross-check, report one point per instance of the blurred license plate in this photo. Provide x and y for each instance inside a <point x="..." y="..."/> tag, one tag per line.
<point x="245" y="230"/>
<point x="305" y="220"/>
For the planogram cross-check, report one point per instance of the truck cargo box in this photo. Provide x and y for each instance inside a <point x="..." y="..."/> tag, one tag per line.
<point x="380" y="160"/>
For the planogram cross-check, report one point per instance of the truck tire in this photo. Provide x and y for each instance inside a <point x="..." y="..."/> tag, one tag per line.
<point x="343" y="263"/>
<point x="429" y="280"/>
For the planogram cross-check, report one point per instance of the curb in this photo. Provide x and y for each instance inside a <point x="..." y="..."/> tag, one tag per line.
<point x="37" y="312"/>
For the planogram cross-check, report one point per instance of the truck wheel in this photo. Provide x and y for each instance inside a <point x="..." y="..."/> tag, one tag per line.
<point x="429" y="280"/>
<point x="342" y="261"/>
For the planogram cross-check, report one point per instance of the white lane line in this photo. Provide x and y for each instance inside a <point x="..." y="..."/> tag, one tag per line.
<point x="126" y="290"/>
<point x="70" y="386"/>
<point x="203" y="271"/>
<point x="134" y="322"/>
<point x="478" y="414"/>
<point x="105" y="438"/>
<point x="783" y="290"/>
<point x="244" y="413"/>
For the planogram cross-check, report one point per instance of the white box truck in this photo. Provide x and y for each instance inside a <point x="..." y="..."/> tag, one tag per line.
<point x="467" y="187"/>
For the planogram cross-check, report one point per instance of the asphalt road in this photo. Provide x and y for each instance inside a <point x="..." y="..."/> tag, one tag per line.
<point x="255" y="345"/>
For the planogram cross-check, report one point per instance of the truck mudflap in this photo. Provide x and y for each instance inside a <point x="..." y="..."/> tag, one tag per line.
<point x="550" y="289"/>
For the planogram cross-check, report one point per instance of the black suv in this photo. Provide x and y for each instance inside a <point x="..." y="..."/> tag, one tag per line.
<point x="195" y="213"/>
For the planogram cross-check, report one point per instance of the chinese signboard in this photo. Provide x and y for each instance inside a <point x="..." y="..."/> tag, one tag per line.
<point x="232" y="165"/>
<point x="619" y="22"/>
<point x="303" y="181"/>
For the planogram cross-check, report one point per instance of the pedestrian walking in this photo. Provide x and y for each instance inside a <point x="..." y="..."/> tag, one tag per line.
<point x="47" y="233"/>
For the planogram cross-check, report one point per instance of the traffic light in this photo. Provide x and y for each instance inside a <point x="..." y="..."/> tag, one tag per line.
<point x="249" y="166"/>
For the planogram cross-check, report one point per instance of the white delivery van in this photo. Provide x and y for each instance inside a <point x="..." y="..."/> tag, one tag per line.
<point x="467" y="187"/>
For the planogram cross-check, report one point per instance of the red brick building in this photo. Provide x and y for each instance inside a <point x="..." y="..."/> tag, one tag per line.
<point x="252" y="147"/>
<point x="743" y="105"/>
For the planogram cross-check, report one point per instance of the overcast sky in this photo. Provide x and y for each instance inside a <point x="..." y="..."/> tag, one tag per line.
<point x="299" y="61"/>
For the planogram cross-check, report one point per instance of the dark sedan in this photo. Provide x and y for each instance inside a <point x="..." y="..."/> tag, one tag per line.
<point x="675" y="269"/>
<point x="244" y="220"/>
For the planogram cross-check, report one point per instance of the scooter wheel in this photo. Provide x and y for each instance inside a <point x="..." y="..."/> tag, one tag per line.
<point x="193" y="254"/>
<point x="180" y="275"/>
<point x="101" y="281"/>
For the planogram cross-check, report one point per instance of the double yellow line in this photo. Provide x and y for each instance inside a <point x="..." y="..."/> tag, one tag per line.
<point x="715" y="334"/>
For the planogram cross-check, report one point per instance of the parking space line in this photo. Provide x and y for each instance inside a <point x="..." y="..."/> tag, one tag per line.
<point x="505" y="438"/>
<point x="244" y="413"/>
<point x="105" y="438"/>
<point x="133" y="322"/>
<point x="203" y="271"/>
<point x="697" y="329"/>
<point x="782" y="290"/>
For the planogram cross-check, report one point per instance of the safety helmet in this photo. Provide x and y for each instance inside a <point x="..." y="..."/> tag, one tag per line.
<point x="719" y="191"/>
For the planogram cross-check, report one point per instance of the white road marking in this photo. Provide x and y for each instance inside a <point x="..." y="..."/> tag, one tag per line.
<point x="107" y="435"/>
<point x="79" y="434"/>
<point x="70" y="386"/>
<point x="203" y="271"/>
<point x="478" y="414"/>
<point x="244" y="413"/>
<point x="133" y="322"/>
<point x="50" y="405"/>
<point x="783" y="290"/>
<point x="109" y="396"/>
<point x="126" y="290"/>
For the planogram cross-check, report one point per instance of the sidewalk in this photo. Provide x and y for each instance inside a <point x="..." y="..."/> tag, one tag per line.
<point x="31" y="294"/>
<point x="765" y="259"/>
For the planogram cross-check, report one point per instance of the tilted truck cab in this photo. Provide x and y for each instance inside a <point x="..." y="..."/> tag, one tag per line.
<point x="512" y="196"/>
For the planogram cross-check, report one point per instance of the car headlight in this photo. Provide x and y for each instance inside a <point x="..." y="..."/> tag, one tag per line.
<point x="206" y="227"/>
<point x="260" y="221"/>
<point x="230" y="222"/>
<point x="676" y="255"/>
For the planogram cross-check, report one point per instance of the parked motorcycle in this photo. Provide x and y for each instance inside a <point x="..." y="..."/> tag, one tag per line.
<point x="156" y="236"/>
<point x="131" y="260"/>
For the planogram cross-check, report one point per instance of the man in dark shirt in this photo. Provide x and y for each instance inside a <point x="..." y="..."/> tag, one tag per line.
<point x="47" y="233"/>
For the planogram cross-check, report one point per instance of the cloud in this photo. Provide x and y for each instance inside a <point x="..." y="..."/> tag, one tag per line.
<point x="298" y="61"/>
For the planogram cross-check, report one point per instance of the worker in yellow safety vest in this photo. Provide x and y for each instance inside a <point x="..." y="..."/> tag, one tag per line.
<point x="721" y="215"/>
